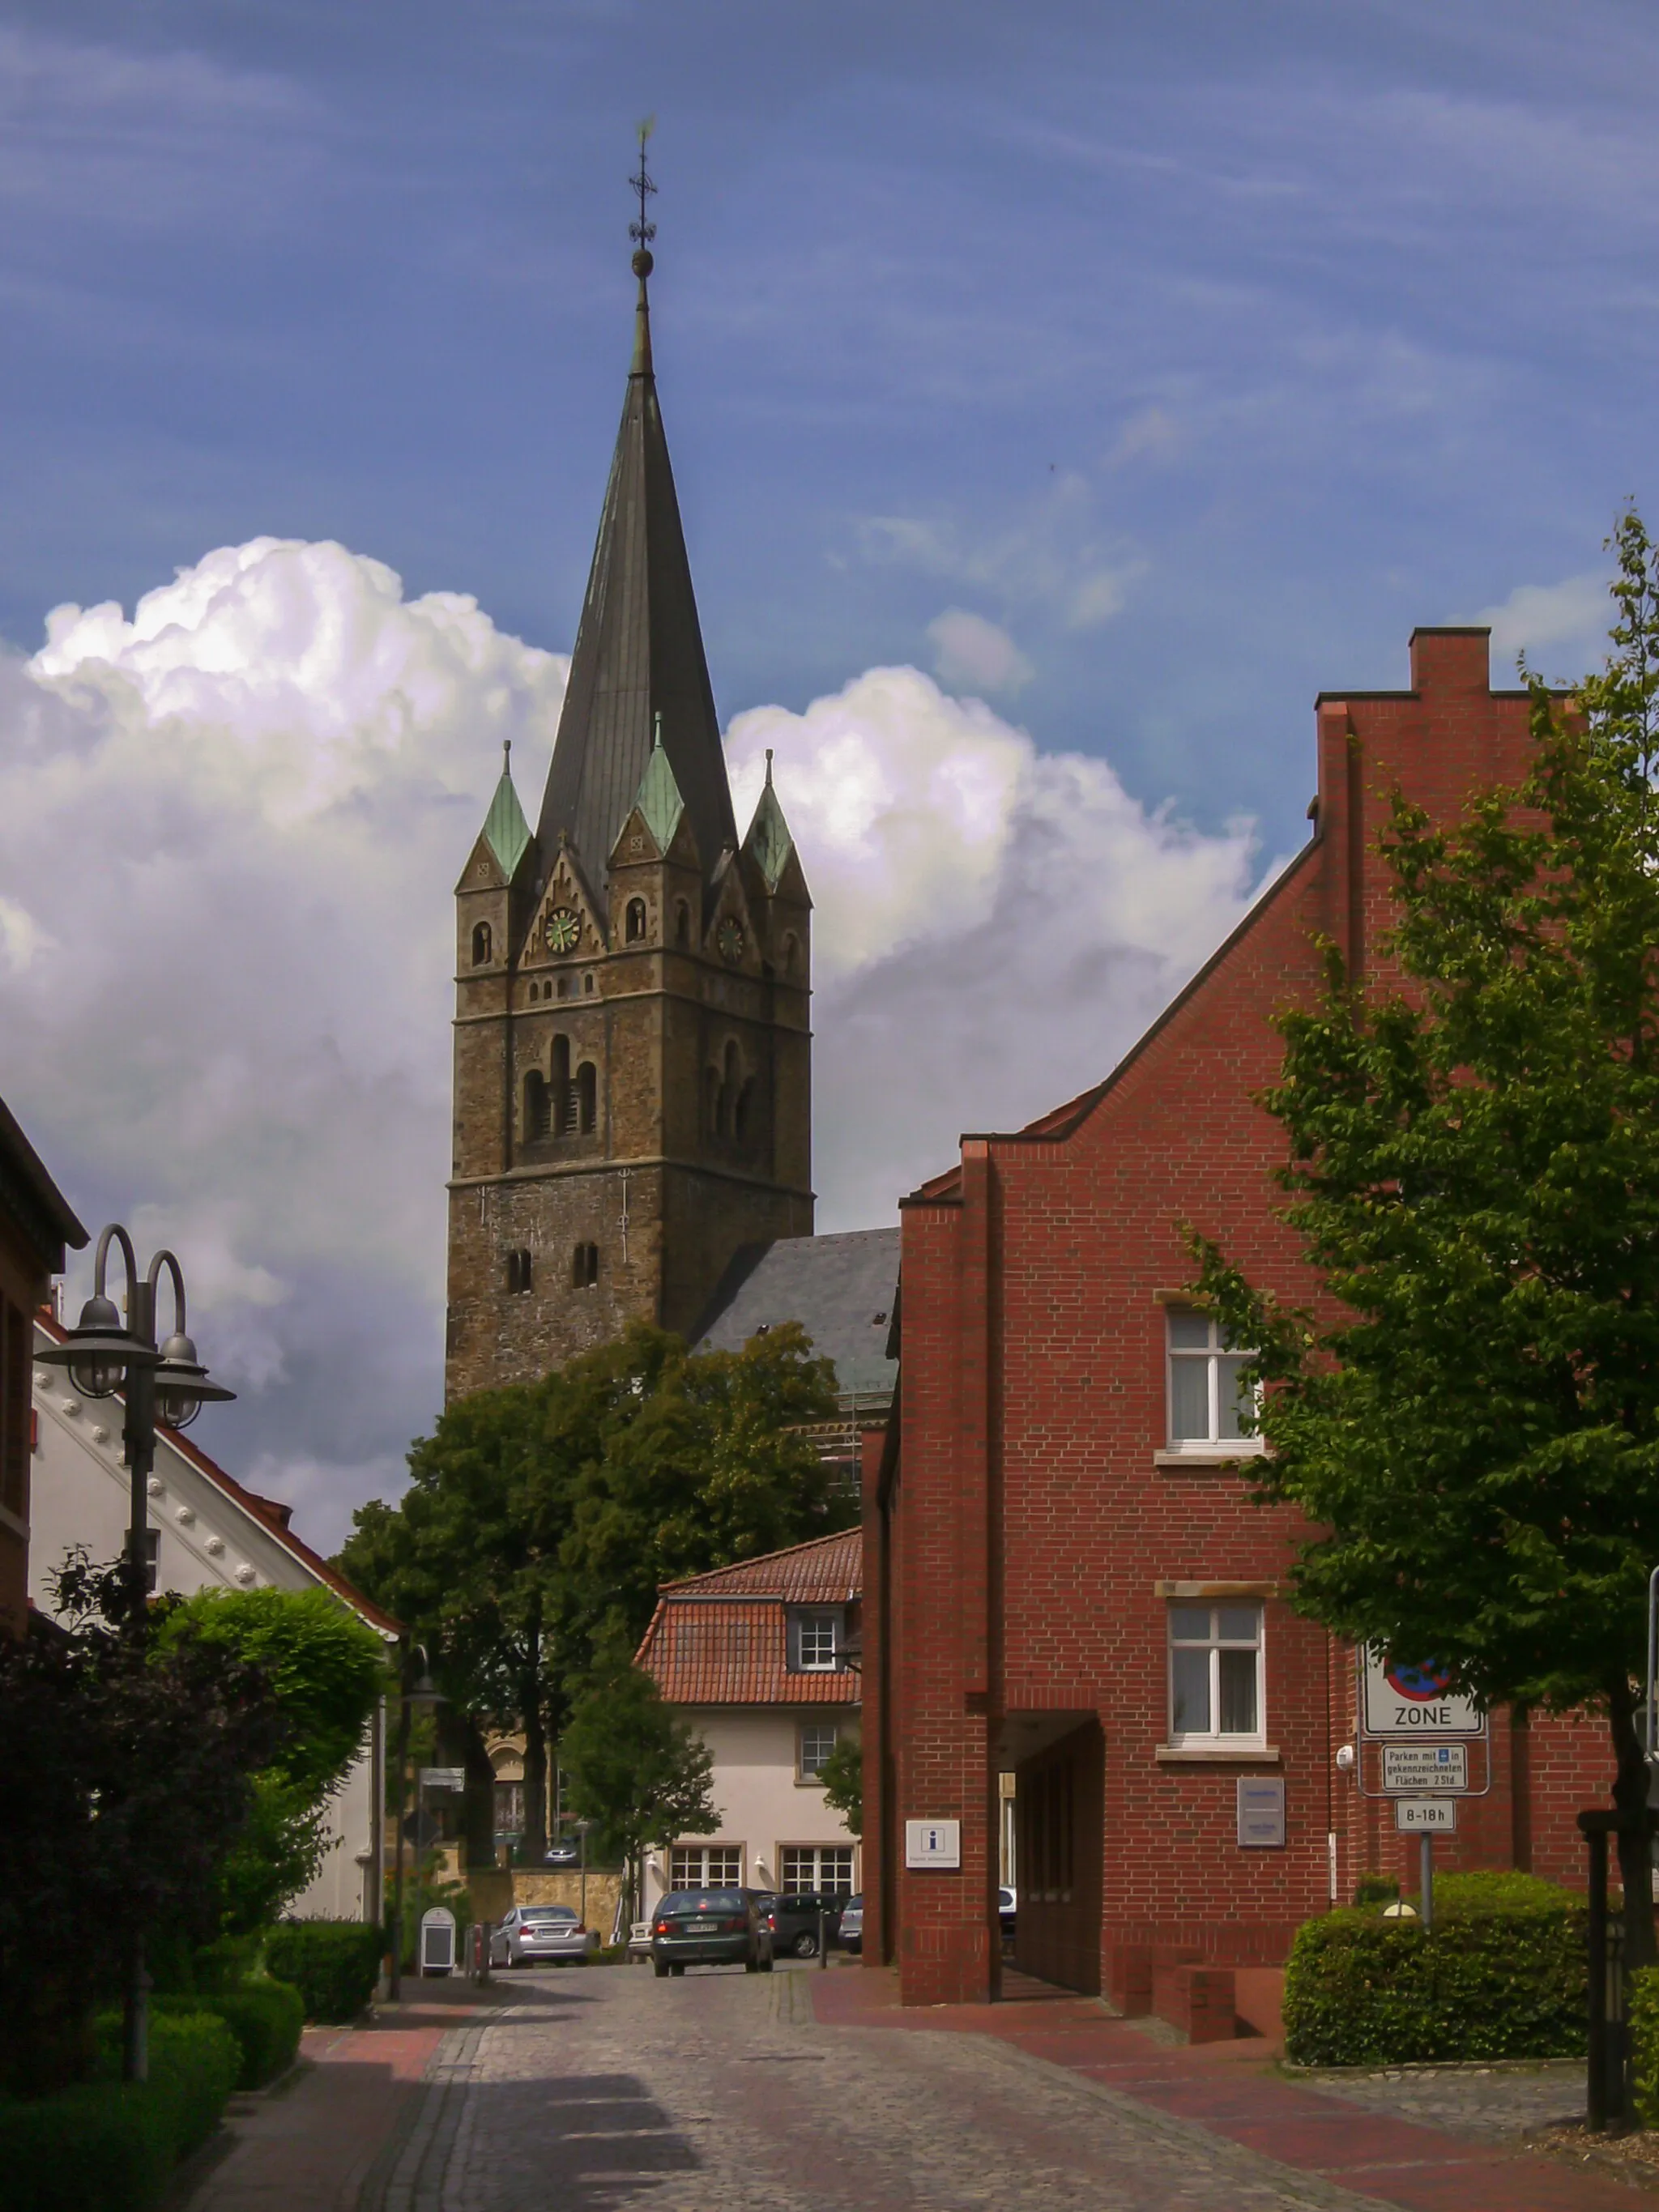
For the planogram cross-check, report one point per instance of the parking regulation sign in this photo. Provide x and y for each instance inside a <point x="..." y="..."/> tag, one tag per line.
<point x="1411" y="1769"/>
<point x="1414" y="1700"/>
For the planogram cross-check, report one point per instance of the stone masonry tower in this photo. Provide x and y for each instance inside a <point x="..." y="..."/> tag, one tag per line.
<point x="632" y="1051"/>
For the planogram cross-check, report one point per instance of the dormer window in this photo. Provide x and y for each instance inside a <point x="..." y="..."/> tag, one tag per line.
<point x="815" y="1640"/>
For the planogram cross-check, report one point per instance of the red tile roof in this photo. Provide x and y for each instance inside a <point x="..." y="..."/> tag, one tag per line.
<point x="827" y="1572"/>
<point x="722" y="1638"/>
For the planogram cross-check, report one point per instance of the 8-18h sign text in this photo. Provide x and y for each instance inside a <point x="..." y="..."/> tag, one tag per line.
<point x="1402" y="1700"/>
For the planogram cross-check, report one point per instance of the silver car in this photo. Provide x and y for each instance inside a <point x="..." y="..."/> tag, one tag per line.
<point x="531" y="1932"/>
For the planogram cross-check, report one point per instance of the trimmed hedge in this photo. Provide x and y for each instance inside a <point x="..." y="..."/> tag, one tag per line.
<point x="333" y="1963"/>
<point x="1642" y="2012"/>
<point x="106" y="2146"/>
<point x="1504" y="1973"/>
<point x="265" y="2017"/>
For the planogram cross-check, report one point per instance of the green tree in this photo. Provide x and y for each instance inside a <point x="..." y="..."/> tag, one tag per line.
<point x="842" y="1777"/>
<point x="324" y="1669"/>
<point x="541" y="1517"/>
<point x="1472" y="1422"/>
<point x="129" y="1776"/>
<point x="635" y="1768"/>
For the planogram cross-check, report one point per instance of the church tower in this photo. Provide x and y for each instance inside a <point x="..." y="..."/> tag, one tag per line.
<point x="632" y="1096"/>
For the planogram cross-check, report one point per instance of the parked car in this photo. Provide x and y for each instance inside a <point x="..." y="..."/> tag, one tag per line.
<point x="850" y="1933"/>
<point x="562" y="1852"/>
<point x="529" y="1932"/>
<point x="710" y="1927"/>
<point x="639" y="1942"/>
<point x="794" y="1920"/>
<point x="1007" y="1913"/>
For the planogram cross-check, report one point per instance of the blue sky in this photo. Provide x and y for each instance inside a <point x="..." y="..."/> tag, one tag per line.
<point x="1059" y="396"/>
<point x="1291" y="325"/>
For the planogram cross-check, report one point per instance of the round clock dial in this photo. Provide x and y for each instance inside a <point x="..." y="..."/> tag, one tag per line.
<point x="562" y="929"/>
<point x="729" y="938"/>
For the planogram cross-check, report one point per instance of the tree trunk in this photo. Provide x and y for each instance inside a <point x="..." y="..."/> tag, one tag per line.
<point x="478" y="1803"/>
<point x="1630" y="1796"/>
<point x="535" y="1772"/>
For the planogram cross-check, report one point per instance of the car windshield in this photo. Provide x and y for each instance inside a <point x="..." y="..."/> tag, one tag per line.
<point x="702" y="1901"/>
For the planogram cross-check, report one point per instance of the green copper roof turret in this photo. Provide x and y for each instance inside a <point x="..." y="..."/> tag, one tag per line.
<point x="659" y="796"/>
<point x="768" y="840"/>
<point x="506" y="830"/>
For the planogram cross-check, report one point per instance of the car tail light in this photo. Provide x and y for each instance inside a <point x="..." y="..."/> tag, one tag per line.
<point x="661" y="1929"/>
<point x="578" y="1930"/>
<point x="772" y="1922"/>
<point x="735" y="1927"/>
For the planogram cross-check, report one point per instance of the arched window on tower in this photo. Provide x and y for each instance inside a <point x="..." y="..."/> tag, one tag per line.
<point x="483" y="945"/>
<point x="537" y="1115"/>
<point x="682" y="923"/>
<point x="728" y="1088"/>
<point x="635" y="924"/>
<point x="586" y="1097"/>
<point x="584" y="1267"/>
<point x="791" y="953"/>
<point x="740" y="1112"/>
<point x="711" y="1101"/>
<point x="564" y="1097"/>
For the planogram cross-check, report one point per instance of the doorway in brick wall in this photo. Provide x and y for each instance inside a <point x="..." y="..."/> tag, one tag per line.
<point x="1059" y="1815"/>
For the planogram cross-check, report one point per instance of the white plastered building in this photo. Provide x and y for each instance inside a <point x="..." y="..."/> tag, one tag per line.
<point x="207" y="1532"/>
<point x="756" y="1658"/>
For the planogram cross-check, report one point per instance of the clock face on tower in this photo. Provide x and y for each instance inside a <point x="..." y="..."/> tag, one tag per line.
<point x="729" y="939"/>
<point x="562" y="929"/>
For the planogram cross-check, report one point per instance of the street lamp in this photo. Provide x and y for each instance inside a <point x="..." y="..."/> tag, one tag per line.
<point x="165" y="1383"/>
<point x="423" y="1696"/>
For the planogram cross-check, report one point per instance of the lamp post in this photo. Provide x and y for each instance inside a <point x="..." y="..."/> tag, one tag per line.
<point x="166" y="1383"/>
<point x="425" y="1695"/>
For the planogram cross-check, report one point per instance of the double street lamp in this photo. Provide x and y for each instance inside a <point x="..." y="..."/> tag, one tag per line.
<point x="163" y="1382"/>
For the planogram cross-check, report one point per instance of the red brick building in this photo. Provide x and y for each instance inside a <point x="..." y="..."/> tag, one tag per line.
<point x="1066" y="1577"/>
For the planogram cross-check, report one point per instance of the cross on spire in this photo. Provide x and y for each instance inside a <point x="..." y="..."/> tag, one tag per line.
<point x="643" y="232"/>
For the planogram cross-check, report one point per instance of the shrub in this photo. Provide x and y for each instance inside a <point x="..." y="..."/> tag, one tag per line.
<point x="98" y="2148"/>
<point x="333" y="1963"/>
<point x="1642" y="2012"/>
<point x="193" y="2063"/>
<point x="1501" y="1974"/>
<point x="1376" y="1889"/>
<point x="105" y="2146"/>
<point x="265" y="2017"/>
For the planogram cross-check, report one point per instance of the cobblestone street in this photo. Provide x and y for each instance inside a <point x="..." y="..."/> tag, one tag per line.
<point x="721" y="2093"/>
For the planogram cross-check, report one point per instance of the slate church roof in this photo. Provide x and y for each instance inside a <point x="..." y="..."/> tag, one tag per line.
<point x="639" y="654"/>
<point x="842" y="1290"/>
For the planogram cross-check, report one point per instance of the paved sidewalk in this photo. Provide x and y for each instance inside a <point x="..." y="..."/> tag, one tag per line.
<point x="1229" y="2090"/>
<point x="313" y="2142"/>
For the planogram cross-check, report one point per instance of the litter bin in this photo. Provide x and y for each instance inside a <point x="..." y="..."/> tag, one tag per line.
<point x="438" y="1941"/>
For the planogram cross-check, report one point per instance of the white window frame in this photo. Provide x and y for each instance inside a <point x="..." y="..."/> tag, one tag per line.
<point x="833" y="1730"/>
<point x="705" y="1852"/>
<point x="1211" y="1354"/>
<point x="846" y="1857"/>
<point x="1215" y="1737"/>
<point x="817" y="1616"/>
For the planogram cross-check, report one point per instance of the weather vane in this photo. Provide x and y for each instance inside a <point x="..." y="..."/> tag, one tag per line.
<point x="643" y="232"/>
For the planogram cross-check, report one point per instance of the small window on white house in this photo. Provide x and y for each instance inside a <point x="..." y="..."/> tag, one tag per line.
<point x="817" y="1640"/>
<point x="1209" y="1405"/>
<point x="1215" y="1674"/>
<point x="817" y="1741"/>
<point x="812" y="1870"/>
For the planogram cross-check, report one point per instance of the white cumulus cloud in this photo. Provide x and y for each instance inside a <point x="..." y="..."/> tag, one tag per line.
<point x="230" y="827"/>
<point x="1575" y="612"/>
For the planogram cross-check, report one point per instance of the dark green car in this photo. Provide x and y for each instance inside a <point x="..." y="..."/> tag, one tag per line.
<point x="709" y="1928"/>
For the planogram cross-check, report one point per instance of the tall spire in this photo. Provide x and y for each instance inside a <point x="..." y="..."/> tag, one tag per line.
<point x="639" y="647"/>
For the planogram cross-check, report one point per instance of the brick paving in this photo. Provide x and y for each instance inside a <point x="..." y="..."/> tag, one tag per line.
<point x="1228" y="2090"/>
